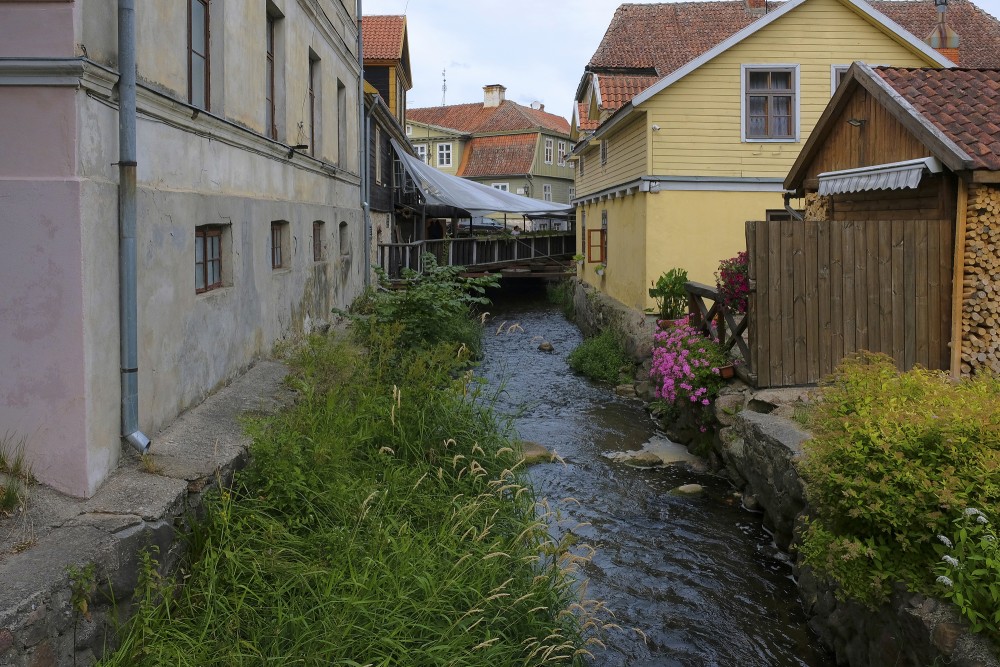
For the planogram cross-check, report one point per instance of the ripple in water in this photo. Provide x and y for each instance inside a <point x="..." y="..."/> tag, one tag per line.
<point x="692" y="580"/>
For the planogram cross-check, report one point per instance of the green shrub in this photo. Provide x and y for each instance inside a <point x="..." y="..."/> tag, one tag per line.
<point x="969" y="570"/>
<point x="432" y="307"/>
<point x="602" y="358"/>
<point x="561" y="294"/>
<point x="668" y="291"/>
<point x="895" y="458"/>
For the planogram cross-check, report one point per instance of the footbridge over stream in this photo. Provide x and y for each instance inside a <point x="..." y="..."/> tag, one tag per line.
<point x="546" y="254"/>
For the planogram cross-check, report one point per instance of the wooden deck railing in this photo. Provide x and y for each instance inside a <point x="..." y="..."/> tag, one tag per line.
<point x="475" y="251"/>
<point x="717" y="321"/>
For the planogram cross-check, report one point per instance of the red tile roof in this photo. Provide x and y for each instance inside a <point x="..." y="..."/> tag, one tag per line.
<point x="382" y="37"/>
<point x="963" y="103"/>
<point x="618" y="89"/>
<point x="503" y="155"/>
<point x="509" y="116"/>
<point x="585" y="122"/>
<point x="656" y="39"/>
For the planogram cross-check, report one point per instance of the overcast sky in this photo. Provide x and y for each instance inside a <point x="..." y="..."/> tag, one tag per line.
<point x="536" y="48"/>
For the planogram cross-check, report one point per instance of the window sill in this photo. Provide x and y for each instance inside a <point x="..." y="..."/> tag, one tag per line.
<point x="282" y="271"/>
<point x="215" y="292"/>
<point x="771" y="141"/>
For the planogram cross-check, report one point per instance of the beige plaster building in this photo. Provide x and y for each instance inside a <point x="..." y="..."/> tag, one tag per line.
<point x="248" y="225"/>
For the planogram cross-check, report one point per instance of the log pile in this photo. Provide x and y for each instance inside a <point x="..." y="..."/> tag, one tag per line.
<point x="817" y="208"/>
<point x="981" y="281"/>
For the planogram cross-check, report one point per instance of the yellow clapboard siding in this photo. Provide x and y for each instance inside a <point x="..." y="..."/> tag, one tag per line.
<point x="701" y="114"/>
<point x="627" y="158"/>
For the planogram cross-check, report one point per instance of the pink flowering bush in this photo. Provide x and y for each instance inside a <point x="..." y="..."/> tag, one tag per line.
<point x="686" y="370"/>
<point x="733" y="281"/>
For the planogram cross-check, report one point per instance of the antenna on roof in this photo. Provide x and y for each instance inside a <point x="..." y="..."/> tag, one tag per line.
<point x="444" y="85"/>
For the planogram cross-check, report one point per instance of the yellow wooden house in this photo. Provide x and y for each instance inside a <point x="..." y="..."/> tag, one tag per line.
<point x="689" y="116"/>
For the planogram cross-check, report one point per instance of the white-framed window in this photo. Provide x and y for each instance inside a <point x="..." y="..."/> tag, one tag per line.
<point x="505" y="187"/>
<point x="583" y="161"/>
<point x="769" y="101"/>
<point x="572" y="193"/>
<point x="837" y="73"/>
<point x="378" y="155"/>
<point x="409" y="130"/>
<point x="561" y="153"/>
<point x="548" y="151"/>
<point x="444" y="155"/>
<point x="604" y="151"/>
<point x="421" y="150"/>
<point x="547" y="192"/>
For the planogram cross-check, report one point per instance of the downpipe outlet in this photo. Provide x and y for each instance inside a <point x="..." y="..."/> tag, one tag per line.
<point x="138" y="441"/>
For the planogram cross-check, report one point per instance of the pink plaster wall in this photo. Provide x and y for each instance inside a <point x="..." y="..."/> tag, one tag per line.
<point x="37" y="29"/>
<point x="44" y="145"/>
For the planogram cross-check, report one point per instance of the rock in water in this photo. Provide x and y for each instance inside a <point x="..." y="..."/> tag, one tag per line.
<point x="689" y="489"/>
<point x="546" y="346"/>
<point x="535" y="453"/>
<point x="644" y="460"/>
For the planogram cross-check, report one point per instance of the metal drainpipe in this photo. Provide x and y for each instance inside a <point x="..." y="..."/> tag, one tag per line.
<point x="787" y="196"/>
<point x="126" y="228"/>
<point x="363" y="121"/>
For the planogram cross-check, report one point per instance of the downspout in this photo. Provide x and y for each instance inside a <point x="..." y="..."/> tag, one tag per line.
<point x="787" y="195"/>
<point x="364" y="121"/>
<point x="127" y="316"/>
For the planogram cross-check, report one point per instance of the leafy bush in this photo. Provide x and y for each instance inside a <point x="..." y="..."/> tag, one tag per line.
<point x="686" y="369"/>
<point x="668" y="291"/>
<point x="433" y="307"/>
<point x="379" y="521"/>
<point x="969" y="570"/>
<point x="733" y="281"/>
<point x="602" y="358"/>
<point x="561" y="294"/>
<point x="895" y="457"/>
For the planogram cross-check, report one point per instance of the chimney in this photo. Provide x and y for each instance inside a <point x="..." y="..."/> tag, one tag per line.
<point x="756" y="7"/>
<point x="942" y="37"/>
<point x="493" y="95"/>
<point x="538" y="106"/>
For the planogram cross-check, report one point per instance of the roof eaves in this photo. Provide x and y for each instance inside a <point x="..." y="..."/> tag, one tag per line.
<point x="908" y="37"/>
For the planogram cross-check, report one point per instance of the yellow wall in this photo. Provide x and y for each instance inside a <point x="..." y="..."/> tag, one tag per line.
<point x="432" y="136"/>
<point x="696" y="230"/>
<point x="700" y="116"/>
<point x="625" y="276"/>
<point x="627" y="158"/>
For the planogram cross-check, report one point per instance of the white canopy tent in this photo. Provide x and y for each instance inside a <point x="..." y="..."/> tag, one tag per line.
<point x="439" y="188"/>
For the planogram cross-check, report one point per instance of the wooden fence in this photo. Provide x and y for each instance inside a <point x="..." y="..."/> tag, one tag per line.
<point x="717" y="321"/>
<point x="476" y="251"/>
<point x="822" y="290"/>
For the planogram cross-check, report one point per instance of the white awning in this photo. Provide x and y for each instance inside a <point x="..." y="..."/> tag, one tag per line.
<point x="440" y="188"/>
<point x="892" y="176"/>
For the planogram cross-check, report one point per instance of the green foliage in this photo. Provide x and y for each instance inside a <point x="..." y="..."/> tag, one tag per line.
<point x="602" y="358"/>
<point x="894" y="456"/>
<point x="969" y="570"/>
<point x="380" y="521"/>
<point x="82" y="586"/>
<point x="15" y="473"/>
<point x="668" y="291"/>
<point x="561" y="294"/>
<point x="432" y="307"/>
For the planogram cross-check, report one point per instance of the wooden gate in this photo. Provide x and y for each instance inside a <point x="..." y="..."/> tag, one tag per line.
<point x="821" y="290"/>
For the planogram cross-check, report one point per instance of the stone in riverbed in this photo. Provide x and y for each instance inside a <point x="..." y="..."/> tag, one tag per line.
<point x="546" y="346"/>
<point x="689" y="489"/>
<point x="535" y="453"/>
<point x="625" y="390"/>
<point x="644" y="460"/>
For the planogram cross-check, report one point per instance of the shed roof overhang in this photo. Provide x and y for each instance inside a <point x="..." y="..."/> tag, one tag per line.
<point x="439" y="188"/>
<point x="891" y="176"/>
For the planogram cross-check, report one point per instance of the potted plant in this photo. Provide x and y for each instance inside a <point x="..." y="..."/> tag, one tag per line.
<point x="668" y="291"/>
<point x="579" y="259"/>
<point x="600" y="268"/>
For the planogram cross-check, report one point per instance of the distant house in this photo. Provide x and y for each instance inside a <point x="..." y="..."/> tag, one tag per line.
<point x="387" y="79"/>
<point x="497" y="143"/>
<point x="248" y="224"/>
<point x="905" y="162"/>
<point x="689" y="115"/>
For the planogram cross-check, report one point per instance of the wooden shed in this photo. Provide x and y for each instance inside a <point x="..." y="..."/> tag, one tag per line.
<point x="899" y="251"/>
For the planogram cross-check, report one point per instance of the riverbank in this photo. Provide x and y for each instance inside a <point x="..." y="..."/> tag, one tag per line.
<point x="758" y="447"/>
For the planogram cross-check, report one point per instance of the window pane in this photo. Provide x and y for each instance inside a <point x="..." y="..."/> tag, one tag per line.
<point x="757" y="127"/>
<point x="213" y="252"/>
<point x="758" y="105"/>
<point x="198" y="36"/>
<point x="781" y="80"/>
<point x="199" y="249"/>
<point x="759" y="80"/>
<point x="782" y="126"/>
<point x="197" y="80"/>
<point x="782" y="105"/>
<point x="213" y="276"/>
<point x="199" y="276"/>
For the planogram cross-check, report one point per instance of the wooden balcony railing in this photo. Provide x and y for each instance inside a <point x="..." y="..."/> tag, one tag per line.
<point x="718" y="322"/>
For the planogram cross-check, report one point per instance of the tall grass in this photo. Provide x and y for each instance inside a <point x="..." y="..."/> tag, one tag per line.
<point x="602" y="358"/>
<point x="15" y="473"/>
<point x="381" y="521"/>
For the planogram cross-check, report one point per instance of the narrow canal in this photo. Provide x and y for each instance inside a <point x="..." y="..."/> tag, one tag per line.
<point x="691" y="580"/>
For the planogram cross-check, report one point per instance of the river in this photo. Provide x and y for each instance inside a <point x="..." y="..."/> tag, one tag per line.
<point x="691" y="580"/>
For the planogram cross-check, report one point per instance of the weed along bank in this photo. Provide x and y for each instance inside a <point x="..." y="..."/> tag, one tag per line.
<point x="881" y="483"/>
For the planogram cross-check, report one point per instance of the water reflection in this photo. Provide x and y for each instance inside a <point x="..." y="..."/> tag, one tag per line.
<point x="692" y="580"/>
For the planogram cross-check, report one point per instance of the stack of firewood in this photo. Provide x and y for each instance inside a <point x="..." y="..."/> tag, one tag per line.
<point x="981" y="281"/>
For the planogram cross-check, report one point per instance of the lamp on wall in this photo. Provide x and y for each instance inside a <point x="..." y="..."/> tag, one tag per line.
<point x="856" y="122"/>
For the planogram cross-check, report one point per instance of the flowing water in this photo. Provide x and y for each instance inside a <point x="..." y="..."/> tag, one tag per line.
<point x="691" y="580"/>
